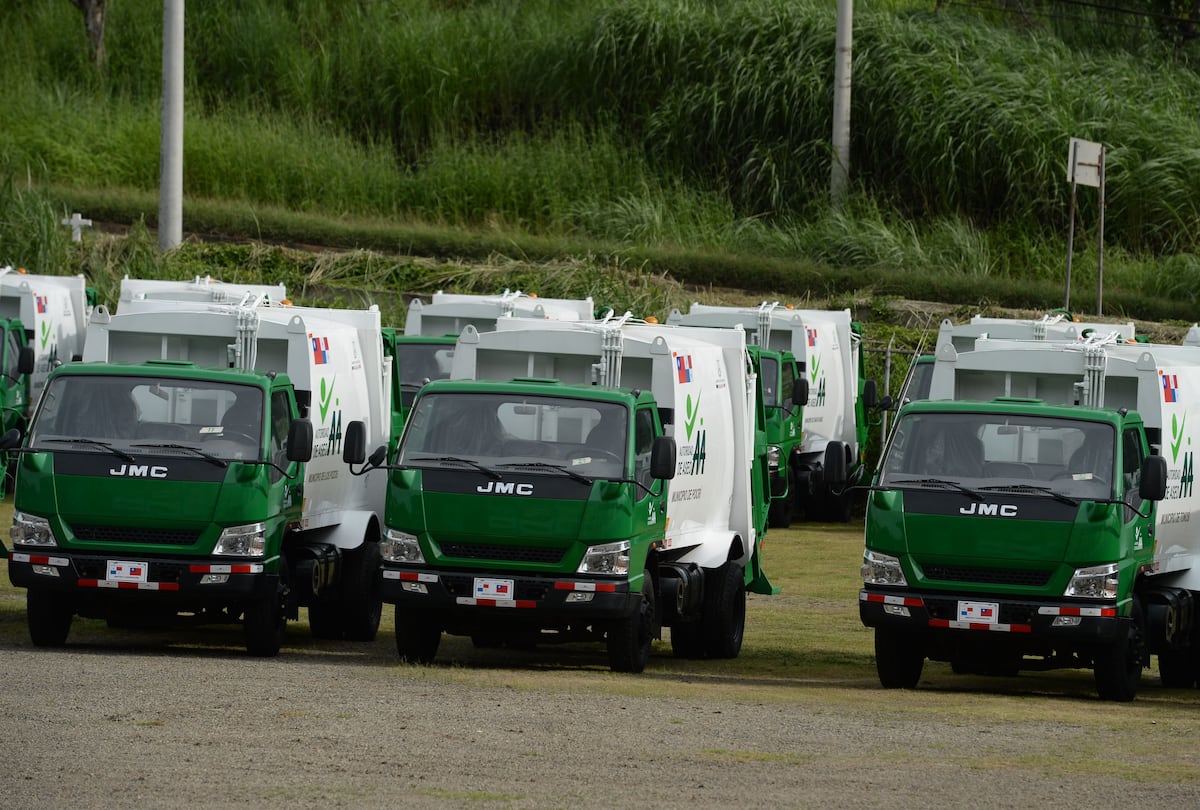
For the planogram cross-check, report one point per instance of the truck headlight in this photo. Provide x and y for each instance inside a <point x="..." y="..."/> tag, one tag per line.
<point x="1096" y="582"/>
<point x="401" y="547"/>
<point x="249" y="540"/>
<point x="610" y="558"/>
<point x="31" y="530"/>
<point x="882" y="569"/>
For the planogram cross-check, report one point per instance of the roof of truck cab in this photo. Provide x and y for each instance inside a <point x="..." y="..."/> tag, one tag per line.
<point x="1016" y="406"/>
<point x="531" y="386"/>
<point x="179" y="369"/>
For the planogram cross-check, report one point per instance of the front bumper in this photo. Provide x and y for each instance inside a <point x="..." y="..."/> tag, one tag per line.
<point x="935" y="616"/>
<point x="449" y="597"/>
<point x="166" y="579"/>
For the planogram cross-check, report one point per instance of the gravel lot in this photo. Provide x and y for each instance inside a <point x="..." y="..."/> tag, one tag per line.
<point x="143" y="723"/>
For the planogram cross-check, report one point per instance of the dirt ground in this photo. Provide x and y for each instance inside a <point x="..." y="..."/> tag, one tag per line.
<point x="147" y="724"/>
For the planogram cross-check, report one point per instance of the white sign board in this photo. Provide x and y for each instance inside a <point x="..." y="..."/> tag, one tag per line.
<point x="1084" y="163"/>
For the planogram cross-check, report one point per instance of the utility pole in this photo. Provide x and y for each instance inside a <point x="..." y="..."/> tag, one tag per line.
<point x="840" y="171"/>
<point x="170" y="192"/>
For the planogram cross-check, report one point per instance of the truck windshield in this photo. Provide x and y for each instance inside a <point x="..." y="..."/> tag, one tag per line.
<point x="589" y="438"/>
<point x="422" y="362"/>
<point x="1071" y="457"/>
<point x="136" y="413"/>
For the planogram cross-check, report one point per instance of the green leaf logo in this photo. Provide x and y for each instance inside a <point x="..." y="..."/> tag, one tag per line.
<point x="693" y="411"/>
<point x="816" y="365"/>
<point x="326" y="397"/>
<point x="1177" y="426"/>
<point x="45" y="333"/>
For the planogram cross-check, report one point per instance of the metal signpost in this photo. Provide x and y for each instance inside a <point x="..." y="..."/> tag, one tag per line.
<point x="1085" y="166"/>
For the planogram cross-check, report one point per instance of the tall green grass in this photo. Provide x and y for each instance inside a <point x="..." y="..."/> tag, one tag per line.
<point x="700" y="124"/>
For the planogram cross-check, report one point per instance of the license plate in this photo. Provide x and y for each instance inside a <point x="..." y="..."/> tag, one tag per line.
<point x="983" y="612"/>
<point x="487" y="588"/>
<point x="127" y="571"/>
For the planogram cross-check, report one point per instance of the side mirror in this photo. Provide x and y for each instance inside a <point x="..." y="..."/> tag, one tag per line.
<point x="378" y="457"/>
<point x="25" y="360"/>
<point x="1154" y="478"/>
<point x="10" y="439"/>
<point x="662" y="458"/>
<point x="300" y="440"/>
<point x="800" y="392"/>
<point x="870" y="394"/>
<point x="836" y="465"/>
<point x="887" y="404"/>
<point x="354" y="443"/>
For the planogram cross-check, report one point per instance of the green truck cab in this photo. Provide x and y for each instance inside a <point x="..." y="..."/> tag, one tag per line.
<point x="577" y="481"/>
<point x="416" y="360"/>
<point x="188" y="502"/>
<point x="784" y="392"/>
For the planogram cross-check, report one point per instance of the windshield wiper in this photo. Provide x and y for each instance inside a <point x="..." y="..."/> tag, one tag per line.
<point x="169" y="446"/>
<point x="1058" y="496"/>
<point x="490" y="473"/>
<point x="95" y="443"/>
<point x="939" y="482"/>
<point x="542" y="465"/>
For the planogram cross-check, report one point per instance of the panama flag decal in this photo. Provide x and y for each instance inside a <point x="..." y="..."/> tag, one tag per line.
<point x="683" y="367"/>
<point x="41" y="302"/>
<point x="811" y="332"/>
<point x="1170" y="386"/>
<point x="320" y="348"/>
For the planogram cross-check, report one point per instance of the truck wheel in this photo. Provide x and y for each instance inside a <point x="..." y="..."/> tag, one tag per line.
<point x="417" y="639"/>
<point x="1118" y="666"/>
<point x="1178" y="668"/>
<point x="49" y="615"/>
<point x="629" y="640"/>
<point x="362" y="605"/>
<point x="779" y="515"/>
<point x="265" y="620"/>
<point x="898" y="659"/>
<point x="724" y="611"/>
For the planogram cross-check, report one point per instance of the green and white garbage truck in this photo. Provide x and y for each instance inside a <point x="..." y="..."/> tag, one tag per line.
<point x="579" y="481"/>
<point x="1039" y="512"/>
<point x="188" y="472"/>
<point x="54" y="311"/>
<point x="200" y="290"/>
<point x="425" y="351"/>
<point x="1058" y="325"/>
<point x="826" y="346"/>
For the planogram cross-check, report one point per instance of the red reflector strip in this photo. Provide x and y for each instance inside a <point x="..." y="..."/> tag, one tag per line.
<point x="994" y="628"/>
<point x="39" y="559"/>
<point x="592" y="587"/>
<point x="500" y="603"/>
<point x="887" y="599"/>
<point x="1093" y="612"/>
<point x="249" y="568"/>
<point x="129" y="586"/>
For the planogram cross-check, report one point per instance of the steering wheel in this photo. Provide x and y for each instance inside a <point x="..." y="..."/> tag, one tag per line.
<point x="230" y="434"/>
<point x="593" y="452"/>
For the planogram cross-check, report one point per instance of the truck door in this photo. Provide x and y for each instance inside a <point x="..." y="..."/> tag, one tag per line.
<point x="645" y="427"/>
<point x="1132" y="453"/>
<point x="285" y="490"/>
<point x="13" y="389"/>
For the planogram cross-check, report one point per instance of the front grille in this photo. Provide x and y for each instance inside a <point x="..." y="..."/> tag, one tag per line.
<point x="464" y="586"/>
<point x="988" y="576"/>
<point x="132" y="534"/>
<point x="483" y="551"/>
<point x="1010" y="612"/>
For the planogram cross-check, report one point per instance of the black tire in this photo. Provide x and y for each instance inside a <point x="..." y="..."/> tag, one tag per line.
<point x="629" y="640"/>
<point x="49" y="615"/>
<point x="362" y="605"/>
<point x="265" y="620"/>
<point x="1178" y="669"/>
<point x="417" y="639"/>
<point x="779" y="514"/>
<point x="724" y="611"/>
<point x="1118" y="666"/>
<point x="899" y="659"/>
